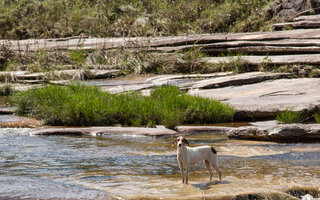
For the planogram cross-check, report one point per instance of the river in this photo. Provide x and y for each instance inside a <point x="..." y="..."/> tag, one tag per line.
<point x="134" y="167"/>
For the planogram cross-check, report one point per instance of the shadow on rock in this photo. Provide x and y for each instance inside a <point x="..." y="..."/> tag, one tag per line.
<point x="207" y="186"/>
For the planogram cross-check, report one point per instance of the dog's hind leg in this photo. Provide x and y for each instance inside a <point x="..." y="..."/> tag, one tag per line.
<point x="207" y="164"/>
<point x="216" y="167"/>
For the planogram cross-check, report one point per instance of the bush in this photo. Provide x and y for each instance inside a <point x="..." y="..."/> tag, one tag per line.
<point x="6" y="55"/>
<point x="80" y="105"/>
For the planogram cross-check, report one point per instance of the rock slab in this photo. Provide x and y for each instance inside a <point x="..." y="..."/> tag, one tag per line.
<point x="188" y="130"/>
<point x="239" y="79"/>
<point x="95" y="131"/>
<point x="265" y="99"/>
<point x="286" y="133"/>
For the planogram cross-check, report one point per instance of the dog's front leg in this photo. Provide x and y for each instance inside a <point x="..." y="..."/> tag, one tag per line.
<point x="181" y="171"/>
<point x="187" y="175"/>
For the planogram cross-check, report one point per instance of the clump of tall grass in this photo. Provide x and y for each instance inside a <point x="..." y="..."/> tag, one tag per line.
<point x="288" y="117"/>
<point x="235" y="63"/>
<point x="80" y="105"/>
<point x="142" y="61"/>
<point x="137" y="62"/>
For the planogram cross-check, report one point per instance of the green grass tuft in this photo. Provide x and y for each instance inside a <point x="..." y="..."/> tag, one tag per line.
<point x="288" y="116"/>
<point x="80" y="105"/>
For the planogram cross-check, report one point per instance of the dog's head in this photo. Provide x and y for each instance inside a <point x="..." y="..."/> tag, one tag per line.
<point x="180" y="142"/>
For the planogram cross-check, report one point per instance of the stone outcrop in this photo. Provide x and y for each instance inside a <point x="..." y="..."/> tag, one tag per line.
<point x="215" y="43"/>
<point x="285" y="132"/>
<point x="265" y="99"/>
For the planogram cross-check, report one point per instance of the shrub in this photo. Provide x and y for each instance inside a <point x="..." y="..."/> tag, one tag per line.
<point x="6" y="55"/>
<point x="6" y="90"/>
<point x="80" y="105"/>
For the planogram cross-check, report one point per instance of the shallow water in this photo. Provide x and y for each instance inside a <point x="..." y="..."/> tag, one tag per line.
<point x="131" y="167"/>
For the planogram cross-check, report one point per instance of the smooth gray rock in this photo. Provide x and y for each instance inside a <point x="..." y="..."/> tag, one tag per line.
<point x="70" y="74"/>
<point x="265" y="99"/>
<point x="239" y="79"/>
<point x="94" y="131"/>
<point x="74" y="43"/>
<point x="288" y="133"/>
<point x="142" y="84"/>
<point x="311" y="59"/>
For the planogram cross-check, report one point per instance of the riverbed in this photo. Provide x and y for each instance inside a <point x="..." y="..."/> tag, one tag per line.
<point x="137" y="166"/>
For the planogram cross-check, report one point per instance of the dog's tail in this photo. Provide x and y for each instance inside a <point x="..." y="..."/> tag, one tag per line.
<point x="213" y="150"/>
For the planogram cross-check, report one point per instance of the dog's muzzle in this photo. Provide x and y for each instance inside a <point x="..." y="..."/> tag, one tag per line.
<point x="179" y="145"/>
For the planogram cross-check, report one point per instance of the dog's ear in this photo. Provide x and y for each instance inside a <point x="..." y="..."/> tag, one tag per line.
<point x="174" y="142"/>
<point x="186" y="141"/>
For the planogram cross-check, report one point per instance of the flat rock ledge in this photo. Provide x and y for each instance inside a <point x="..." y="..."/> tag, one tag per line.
<point x="188" y="130"/>
<point x="96" y="131"/>
<point x="263" y="100"/>
<point x="278" y="133"/>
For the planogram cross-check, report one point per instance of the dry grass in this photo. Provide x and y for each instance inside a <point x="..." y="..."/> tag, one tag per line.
<point x="50" y="18"/>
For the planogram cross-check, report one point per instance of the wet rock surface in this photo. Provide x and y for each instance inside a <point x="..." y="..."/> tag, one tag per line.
<point x="94" y="131"/>
<point x="186" y="130"/>
<point x="12" y="121"/>
<point x="270" y="131"/>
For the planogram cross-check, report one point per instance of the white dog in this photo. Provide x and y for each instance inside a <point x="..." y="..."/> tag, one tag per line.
<point x="188" y="156"/>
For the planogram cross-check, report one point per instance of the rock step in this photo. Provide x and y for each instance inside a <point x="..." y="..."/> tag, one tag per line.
<point x="307" y="18"/>
<point x="140" y="42"/>
<point x="235" y="80"/>
<point x="311" y="59"/>
<point x="278" y="46"/>
<point x="308" y="21"/>
<point x="27" y="77"/>
<point x="7" y="110"/>
<point x="297" y="24"/>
